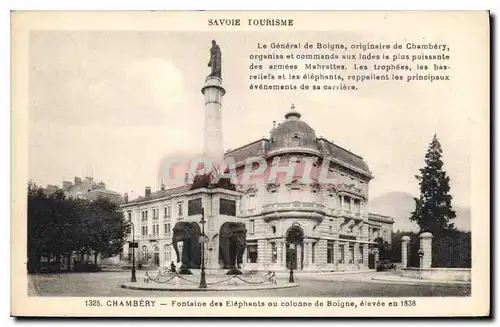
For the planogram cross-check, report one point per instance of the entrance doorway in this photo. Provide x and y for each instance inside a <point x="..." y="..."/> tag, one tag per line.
<point x="156" y="256"/>
<point x="295" y="248"/>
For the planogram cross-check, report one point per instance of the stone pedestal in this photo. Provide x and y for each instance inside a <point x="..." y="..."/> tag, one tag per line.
<point x="426" y="247"/>
<point x="405" y="242"/>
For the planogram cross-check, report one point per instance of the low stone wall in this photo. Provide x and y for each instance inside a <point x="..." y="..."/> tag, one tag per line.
<point x="445" y="274"/>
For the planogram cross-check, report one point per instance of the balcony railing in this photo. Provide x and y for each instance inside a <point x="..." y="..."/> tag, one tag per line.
<point x="351" y="189"/>
<point x="293" y="206"/>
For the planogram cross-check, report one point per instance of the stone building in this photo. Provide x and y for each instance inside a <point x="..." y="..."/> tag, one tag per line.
<point x="311" y="226"/>
<point x="87" y="188"/>
<point x="319" y="223"/>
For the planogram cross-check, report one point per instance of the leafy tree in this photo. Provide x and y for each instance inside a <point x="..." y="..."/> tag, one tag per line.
<point x="60" y="227"/>
<point x="433" y="210"/>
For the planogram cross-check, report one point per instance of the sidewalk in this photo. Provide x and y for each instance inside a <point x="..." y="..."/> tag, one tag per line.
<point x="392" y="279"/>
<point x="323" y="273"/>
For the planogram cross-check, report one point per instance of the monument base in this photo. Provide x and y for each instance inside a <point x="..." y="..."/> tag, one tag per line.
<point x="234" y="271"/>
<point x="185" y="271"/>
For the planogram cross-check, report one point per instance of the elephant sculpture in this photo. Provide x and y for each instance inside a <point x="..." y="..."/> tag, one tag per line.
<point x="189" y="234"/>
<point x="232" y="244"/>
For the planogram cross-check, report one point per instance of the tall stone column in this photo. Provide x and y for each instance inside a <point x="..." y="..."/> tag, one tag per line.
<point x="212" y="146"/>
<point x="357" y="255"/>
<point x="405" y="241"/>
<point x="426" y="247"/>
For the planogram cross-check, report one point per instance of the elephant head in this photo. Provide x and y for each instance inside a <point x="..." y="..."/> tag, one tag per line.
<point x="232" y="244"/>
<point x="188" y="233"/>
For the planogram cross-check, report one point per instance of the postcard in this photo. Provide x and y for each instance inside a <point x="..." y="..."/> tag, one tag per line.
<point x="250" y="164"/>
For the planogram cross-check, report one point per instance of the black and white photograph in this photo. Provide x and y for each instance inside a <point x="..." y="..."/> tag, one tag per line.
<point x="253" y="161"/>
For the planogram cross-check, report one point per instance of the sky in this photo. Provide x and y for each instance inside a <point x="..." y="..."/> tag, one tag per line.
<point x="120" y="101"/>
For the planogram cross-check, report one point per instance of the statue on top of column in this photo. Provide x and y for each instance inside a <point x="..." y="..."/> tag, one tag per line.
<point x="215" y="60"/>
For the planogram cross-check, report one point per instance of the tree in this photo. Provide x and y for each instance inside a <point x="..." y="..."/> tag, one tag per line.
<point x="384" y="249"/>
<point x="433" y="210"/>
<point x="60" y="227"/>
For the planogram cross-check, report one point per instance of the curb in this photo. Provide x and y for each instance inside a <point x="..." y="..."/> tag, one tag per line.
<point x="175" y="289"/>
<point x="417" y="282"/>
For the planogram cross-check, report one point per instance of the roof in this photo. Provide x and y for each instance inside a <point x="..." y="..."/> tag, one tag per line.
<point x="345" y="156"/>
<point x="162" y="193"/>
<point x="293" y="132"/>
<point x="246" y="151"/>
<point x="379" y="217"/>
<point x="297" y="134"/>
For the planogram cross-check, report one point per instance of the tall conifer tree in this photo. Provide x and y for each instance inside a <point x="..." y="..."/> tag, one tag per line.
<point x="433" y="210"/>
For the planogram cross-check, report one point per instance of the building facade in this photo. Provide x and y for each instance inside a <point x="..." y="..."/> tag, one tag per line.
<point x="307" y="224"/>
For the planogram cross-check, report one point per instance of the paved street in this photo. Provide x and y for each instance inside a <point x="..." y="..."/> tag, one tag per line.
<point x="356" y="285"/>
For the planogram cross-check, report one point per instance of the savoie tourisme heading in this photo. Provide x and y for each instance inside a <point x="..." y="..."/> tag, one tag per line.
<point x="250" y="22"/>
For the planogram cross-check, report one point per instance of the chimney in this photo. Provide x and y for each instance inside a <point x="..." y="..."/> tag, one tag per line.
<point x="125" y="197"/>
<point x="148" y="191"/>
<point x="78" y="180"/>
<point x="263" y="147"/>
<point x="162" y="187"/>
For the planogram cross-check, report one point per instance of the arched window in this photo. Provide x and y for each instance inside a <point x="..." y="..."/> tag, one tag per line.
<point x="144" y="253"/>
<point x="295" y="139"/>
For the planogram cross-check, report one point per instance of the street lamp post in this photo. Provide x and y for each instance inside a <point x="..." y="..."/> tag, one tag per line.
<point x="203" y="281"/>
<point x="133" y="279"/>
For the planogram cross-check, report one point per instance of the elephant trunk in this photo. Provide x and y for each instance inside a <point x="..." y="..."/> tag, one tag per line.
<point x="176" y="249"/>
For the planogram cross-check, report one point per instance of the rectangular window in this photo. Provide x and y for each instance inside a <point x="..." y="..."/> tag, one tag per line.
<point x="251" y="226"/>
<point x="252" y="253"/>
<point x="227" y="207"/>
<point x="167" y="254"/>
<point x="166" y="228"/>
<point x="357" y="206"/>
<point x="313" y="251"/>
<point x="360" y="254"/>
<point x="330" y="227"/>
<point x="347" y="203"/>
<point x="274" y="253"/>
<point x="156" y="230"/>
<point x="194" y="207"/>
<point x="180" y="212"/>
<point x="168" y="211"/>
<point x="329" y="252"/>
<point x="341" y="253"/>
<point x="155" y="214"/>
<point x="130" y="216"/>
<point x="351" y="253"/>
<point x="251" y="204"/>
